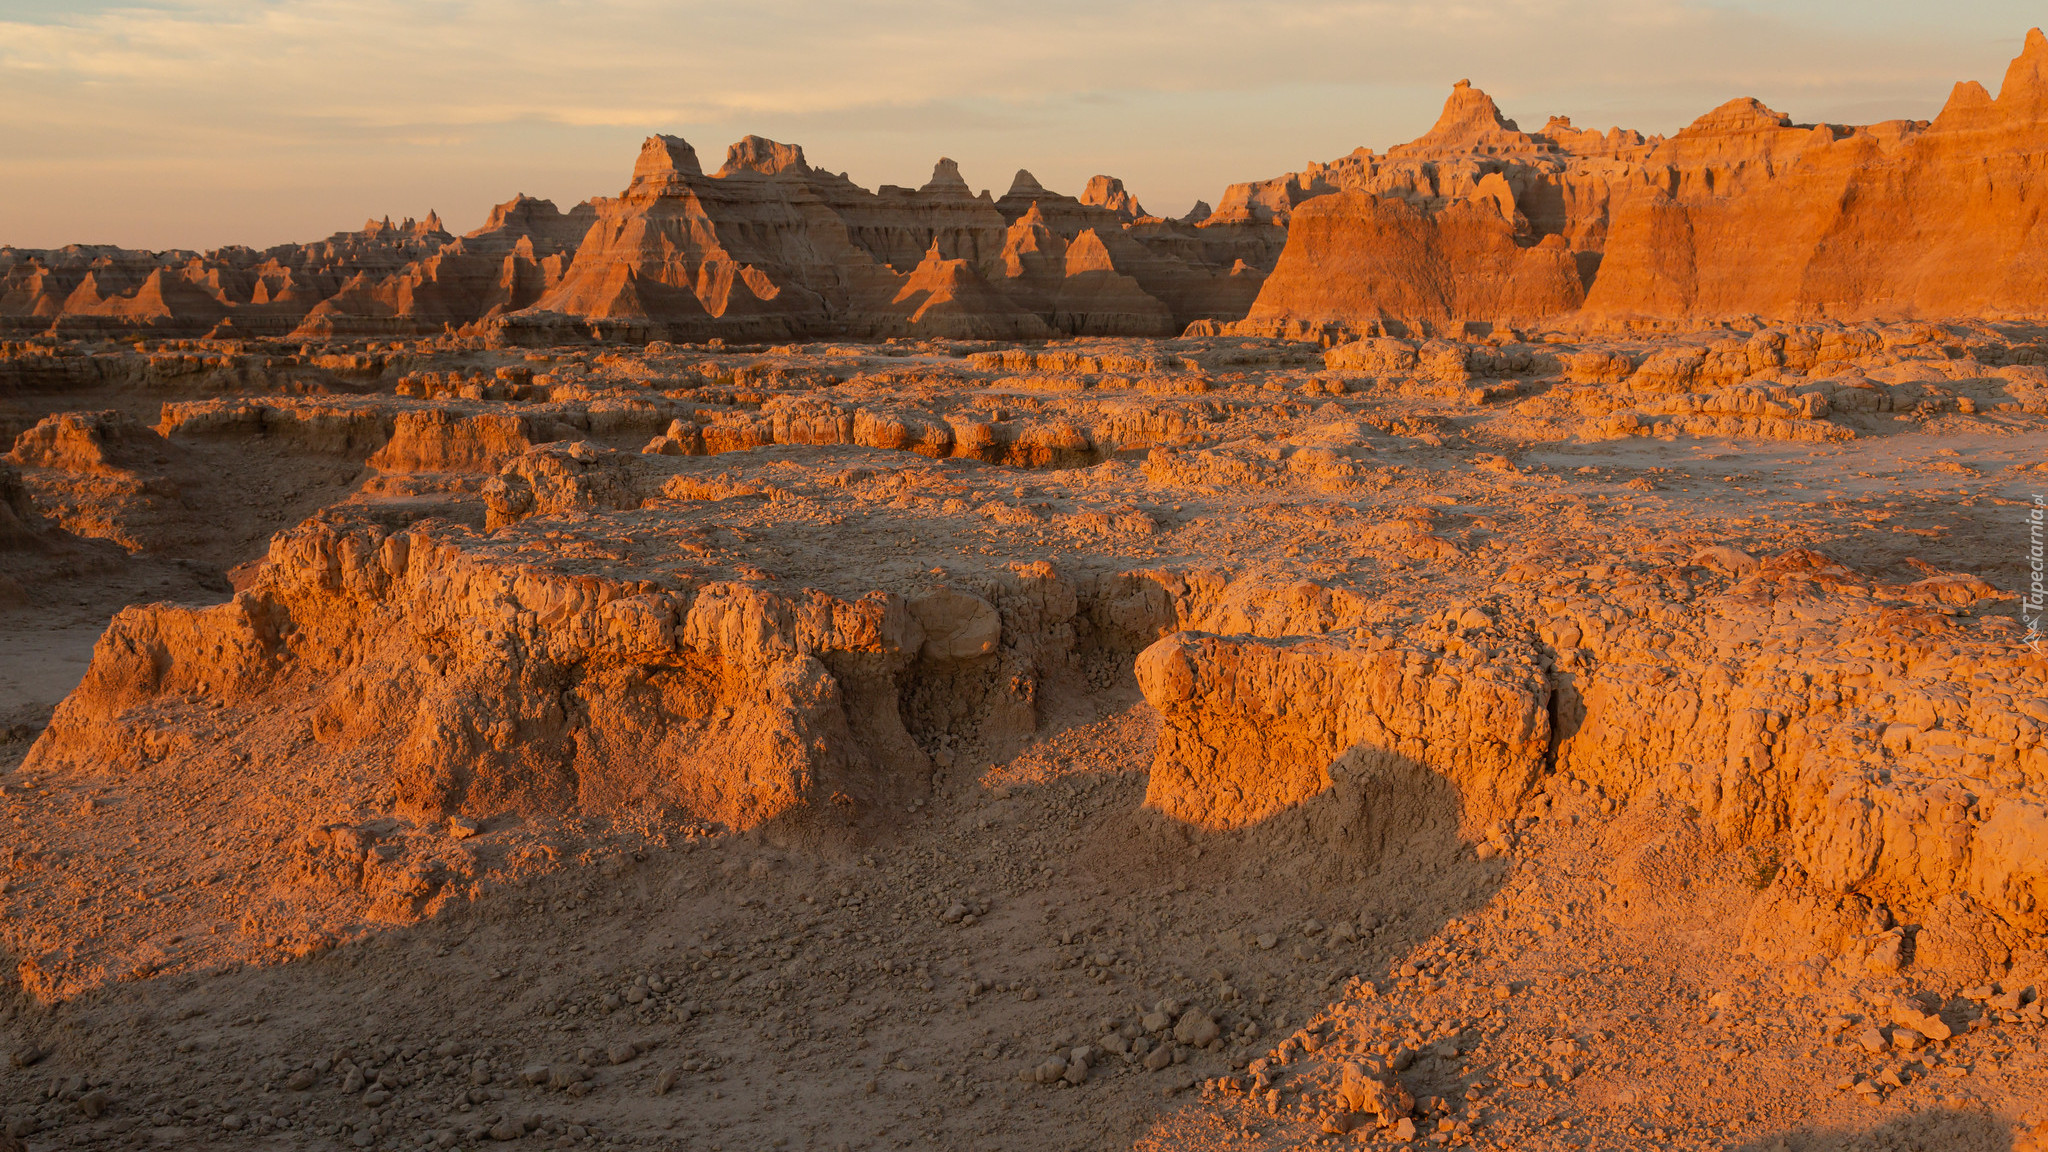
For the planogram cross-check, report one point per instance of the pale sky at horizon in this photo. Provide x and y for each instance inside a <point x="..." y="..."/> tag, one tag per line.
<point x="198" y="123"/>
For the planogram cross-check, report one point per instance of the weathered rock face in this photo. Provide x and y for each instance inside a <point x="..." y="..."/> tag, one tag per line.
<point x="1743" y="214"/>
<point x="1384" y="684"/>
<point x="1893" y="220"/>
<point x="1362" y="262"/>
<point x="1795" y="704"/>
<point x="1829" y="745"/>
<point x="767" y="248"/>
<point x="772" y="248"/>
<point x="100" y="474"/>
<point x="527" y="689"/>
<point x="1254" y="728"/>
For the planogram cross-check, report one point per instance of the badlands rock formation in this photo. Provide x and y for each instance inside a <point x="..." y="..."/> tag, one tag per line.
<point x="1742" y="214"/>
<point x="554" y="687"/>
<point x="1196" y="743"/>
<point x="768" y="247"/>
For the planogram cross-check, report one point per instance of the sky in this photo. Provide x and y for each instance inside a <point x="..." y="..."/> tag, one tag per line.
<point x="200" y="123"/>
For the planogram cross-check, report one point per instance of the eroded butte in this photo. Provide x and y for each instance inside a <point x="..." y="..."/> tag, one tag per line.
<point x="755" y="663"/>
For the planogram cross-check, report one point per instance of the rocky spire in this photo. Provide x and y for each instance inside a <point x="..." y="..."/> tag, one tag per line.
<point x="664" y="163"/>
<point x="1470" y="123"/>
<point x="1025" y="185"/>
<point x="1108" y="192"/>
<point x="946" y="178"/>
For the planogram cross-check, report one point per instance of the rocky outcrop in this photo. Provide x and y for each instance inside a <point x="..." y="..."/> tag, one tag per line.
<point x="769" y="247"/>
<point x="527" y="689"/>
<point x="1743" y="215"/>
<point x="1892" y="220"/>
<point x="1797" y="706"/>
<point x="1255" y="727"/>
<point x="1360" y="262"/>
<point x="410" y="278"/>
<point x="101" y="475"/>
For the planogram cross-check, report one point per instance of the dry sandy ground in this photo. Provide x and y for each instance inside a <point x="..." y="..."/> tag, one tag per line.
<point x="651" y="981"/>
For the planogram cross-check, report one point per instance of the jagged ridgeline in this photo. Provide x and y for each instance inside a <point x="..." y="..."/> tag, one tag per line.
<point x="767" y="247"/>
<point x="1744" y="214"/>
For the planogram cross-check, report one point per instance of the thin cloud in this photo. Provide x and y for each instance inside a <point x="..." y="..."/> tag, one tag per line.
<point x="262" y="121"/>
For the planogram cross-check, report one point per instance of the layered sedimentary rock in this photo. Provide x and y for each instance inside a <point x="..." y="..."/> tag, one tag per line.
<point x="387" y="279"/>
<point x="772" y="248"/>
<point x="768" y="247"/>
<point x="1743" y="214"/>
<point x="1252" y="732"/>
<point x="1789" y="701"/>
<point x="1383" y="261"/>
<point x="1836" y="716"/>
<point x="1461" y="703"/>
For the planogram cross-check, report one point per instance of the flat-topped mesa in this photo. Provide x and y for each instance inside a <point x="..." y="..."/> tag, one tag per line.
<point x="1471" y="123"/>
<point x="664" y="163"/>
<point x="764" y="157"/>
